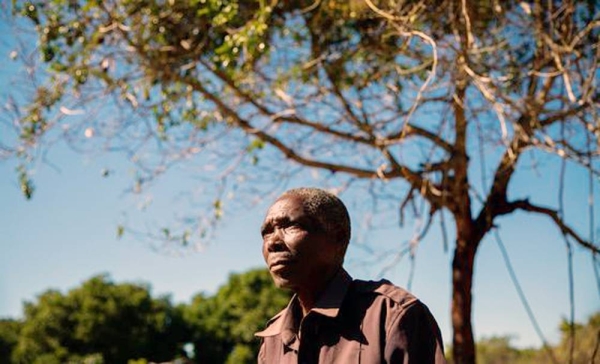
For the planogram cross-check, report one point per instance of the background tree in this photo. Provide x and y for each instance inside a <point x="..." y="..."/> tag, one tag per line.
<point x="587" y="343"/>
<point x="500" y="349"/>
<point x="431" y="106"/>
<point x="114" y="322"/>
<point x="497" y="350"/>
<point x="9" y="335"/>
<point x="103" y="322"/>
<point x="223" y="325"/>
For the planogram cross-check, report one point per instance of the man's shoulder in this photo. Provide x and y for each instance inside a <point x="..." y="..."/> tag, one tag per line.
<point x="384" y="300"/>
<point x="385" y="290"/>
<point x="273" y="326"/>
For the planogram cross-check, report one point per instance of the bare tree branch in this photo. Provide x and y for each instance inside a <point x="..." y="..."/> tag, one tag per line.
<point x="525" y="205"/>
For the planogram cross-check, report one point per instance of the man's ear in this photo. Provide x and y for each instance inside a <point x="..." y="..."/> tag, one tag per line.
<point x="340" y="237"/>
<point x="342" y="244"/>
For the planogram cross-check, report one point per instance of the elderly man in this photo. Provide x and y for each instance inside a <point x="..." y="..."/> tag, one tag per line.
<point x="333" y="318"/>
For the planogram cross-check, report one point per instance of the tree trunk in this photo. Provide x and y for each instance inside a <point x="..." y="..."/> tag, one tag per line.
<point x="463" y="344"/>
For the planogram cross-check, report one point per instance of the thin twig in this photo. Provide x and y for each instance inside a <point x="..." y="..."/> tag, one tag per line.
<point x="561" y="211"/>
<point x="591" y="210"/>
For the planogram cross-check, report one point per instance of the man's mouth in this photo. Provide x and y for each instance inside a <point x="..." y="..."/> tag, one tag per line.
<point x="280" y="263"/>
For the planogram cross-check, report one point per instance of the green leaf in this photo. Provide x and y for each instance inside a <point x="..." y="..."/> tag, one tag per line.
<point x="256" y="144"/>
<point x="120" y="231"/>
<point x="25" y="182"/>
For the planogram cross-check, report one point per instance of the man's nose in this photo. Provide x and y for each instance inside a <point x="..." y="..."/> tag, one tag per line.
<point x="275" y="242"/>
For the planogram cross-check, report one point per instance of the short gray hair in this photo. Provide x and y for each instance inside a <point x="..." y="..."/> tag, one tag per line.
<point x="329" y="211"/>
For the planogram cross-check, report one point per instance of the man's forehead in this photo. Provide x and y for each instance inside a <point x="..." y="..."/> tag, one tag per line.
<point x="283" y="210"/>
<point x="285" y="205"/>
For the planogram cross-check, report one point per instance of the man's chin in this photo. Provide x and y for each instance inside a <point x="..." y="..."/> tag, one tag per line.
<point x="283" y="282"/>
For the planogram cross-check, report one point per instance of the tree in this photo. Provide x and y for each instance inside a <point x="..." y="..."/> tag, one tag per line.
<point x="112" y="323"/>
<point x="9" y="334"/>
<point x="411" y="104"/>
<point x="103" y="322"/>
<point x="499" y="349"/>
<point x="223" y="325"/>
<point x="587" y="342"/>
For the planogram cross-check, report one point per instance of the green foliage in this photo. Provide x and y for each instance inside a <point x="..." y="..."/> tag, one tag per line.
<point x="137" y="361"/>
<point x="78" y="42"/>
<point x="119" y="321"/>
<point x="120" y="231"/>
<point x="242" y="354"/>
<point x="587" y="341"/>
<point x="9" y="336"/>
<point x="87" y="359"/>
<point x="224" y="325"/>
<point x="103" y="322"/>
<point x="25" y="182"/>
<point x="180" y="54"/>
<point x="499" y="349"/>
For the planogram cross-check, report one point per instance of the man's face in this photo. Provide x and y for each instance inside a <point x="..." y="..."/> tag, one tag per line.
<point x="297" y="251"/>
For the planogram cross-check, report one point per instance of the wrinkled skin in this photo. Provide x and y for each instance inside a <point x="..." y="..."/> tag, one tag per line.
<point x="299" y="253"/>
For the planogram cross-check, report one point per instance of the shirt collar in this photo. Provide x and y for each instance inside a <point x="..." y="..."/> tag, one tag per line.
<point x="331" y="300"/>
<point x="328" y="305"/>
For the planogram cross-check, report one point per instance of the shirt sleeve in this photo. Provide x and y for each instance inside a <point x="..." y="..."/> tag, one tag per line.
<point x="414" y="337"/>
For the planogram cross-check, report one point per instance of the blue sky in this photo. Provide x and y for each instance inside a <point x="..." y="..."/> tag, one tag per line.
<point x="67" y="233"/>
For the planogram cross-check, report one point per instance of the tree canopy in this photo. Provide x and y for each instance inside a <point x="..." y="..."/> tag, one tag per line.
<point x="119" y="322"/>
<point x="106" y="322"/>
<point x="223" y="325"/>
<point x="499" y="349"/>
<point x="426" y="103"/>
<point x="9" y="336"/>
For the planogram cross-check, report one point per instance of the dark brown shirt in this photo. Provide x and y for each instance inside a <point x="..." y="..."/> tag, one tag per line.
<point x="354" y="322"/>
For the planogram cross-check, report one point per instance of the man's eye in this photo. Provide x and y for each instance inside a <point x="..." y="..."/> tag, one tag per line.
<point x="293" y="225"/>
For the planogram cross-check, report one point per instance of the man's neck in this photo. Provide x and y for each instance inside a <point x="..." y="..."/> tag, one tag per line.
<point x="308" y="298"/>
<point x="306" y="304"/>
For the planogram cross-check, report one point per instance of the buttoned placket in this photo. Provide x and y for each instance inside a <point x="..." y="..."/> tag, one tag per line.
<point x="308" y="352"/>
